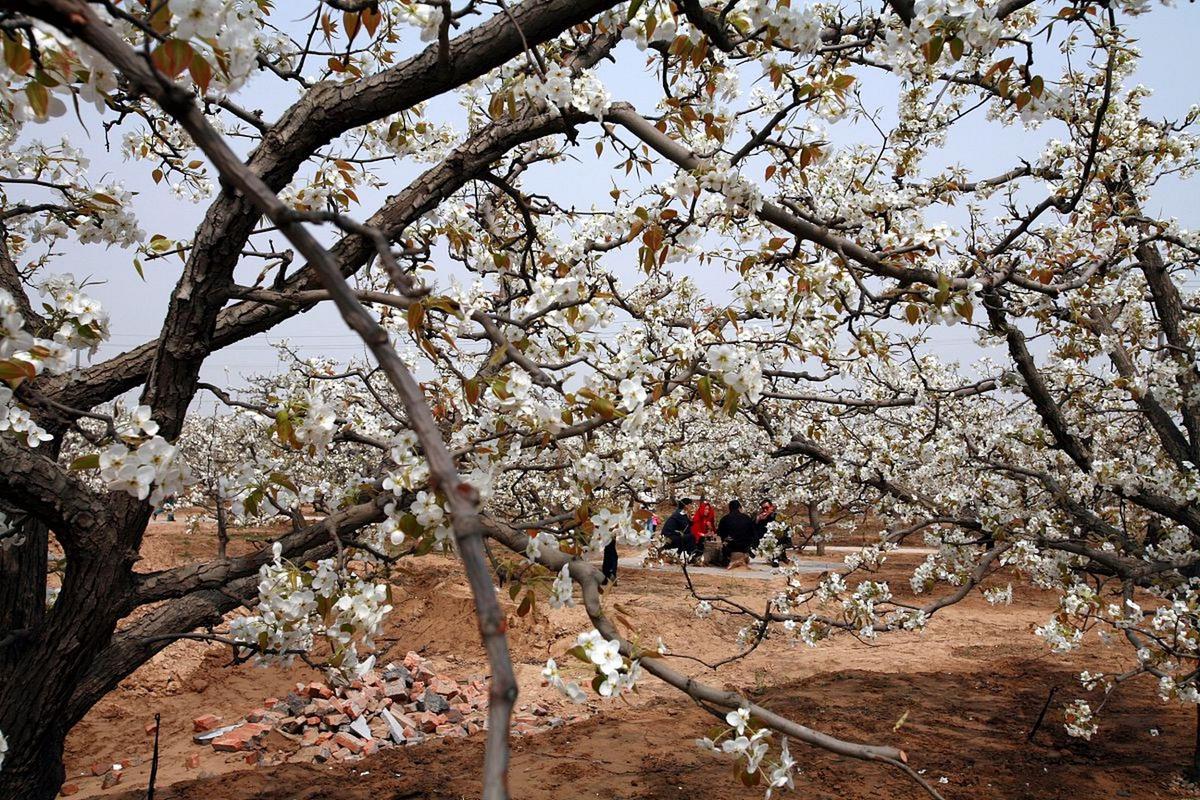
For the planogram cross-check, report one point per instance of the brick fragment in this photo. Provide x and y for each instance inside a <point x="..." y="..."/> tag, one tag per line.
<point x="205" y="723"/>
<point x="348" y="741"/>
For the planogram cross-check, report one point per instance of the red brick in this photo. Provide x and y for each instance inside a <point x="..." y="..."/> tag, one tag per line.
<point x="151" y="727"/>
<point x="229" y="744"/>
<point x="428" y="721"/>
<point x="205" y="723"/>
<point x="256" y="715"/>
<point x="271" y="702"/>
<point x="240" y="738"/>
<point x="68" y="789"/>
<point x="316" y="689"/>
<point x="99" y="769"/>
<point x="348" y="741"/>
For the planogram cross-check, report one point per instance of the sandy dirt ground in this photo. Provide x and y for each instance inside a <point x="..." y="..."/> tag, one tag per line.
<point x="959" y="698"/>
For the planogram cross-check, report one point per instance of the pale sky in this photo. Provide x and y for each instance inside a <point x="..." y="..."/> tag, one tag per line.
<point x="1171" y="62"/>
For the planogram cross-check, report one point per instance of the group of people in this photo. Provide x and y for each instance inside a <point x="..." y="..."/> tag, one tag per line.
<point x="736" y="533"/>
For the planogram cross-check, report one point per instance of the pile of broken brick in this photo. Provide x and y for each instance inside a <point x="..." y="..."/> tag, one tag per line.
<point x="404" y="704"/>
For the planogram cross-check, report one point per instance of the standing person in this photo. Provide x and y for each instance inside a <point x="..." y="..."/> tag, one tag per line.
<point x="609" y="567"/>
<point x="736" y="531"/>
<point x="704" y="522"/>
<point x="677" y="534"/>
<point x="762" y="523"/>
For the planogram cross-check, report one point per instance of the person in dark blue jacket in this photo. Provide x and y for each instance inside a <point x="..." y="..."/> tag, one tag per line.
<point x="677" y="530"/>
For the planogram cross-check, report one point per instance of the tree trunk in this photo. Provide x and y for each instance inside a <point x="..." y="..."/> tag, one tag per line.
<point x="40" y="671"/>
<point x="23" y="573"/>
<point x="1193" y="771"/>
<point x="41" y="668"/>
<point x="23" y="582"/>
<point x="222" y="527"/>
<point x="33" y="768"/>
<point x="814" y="520"/>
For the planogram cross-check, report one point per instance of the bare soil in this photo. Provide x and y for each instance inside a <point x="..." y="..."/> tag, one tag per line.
<point x="960" y="699"/>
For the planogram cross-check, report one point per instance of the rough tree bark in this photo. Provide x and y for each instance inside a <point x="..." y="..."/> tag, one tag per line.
<point x="814" y="521"/>
<point x="52" y="675"/>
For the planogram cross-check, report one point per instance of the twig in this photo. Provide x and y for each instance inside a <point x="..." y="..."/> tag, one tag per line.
<point x="1041" y="715"/>
<point x="154" y="759"/>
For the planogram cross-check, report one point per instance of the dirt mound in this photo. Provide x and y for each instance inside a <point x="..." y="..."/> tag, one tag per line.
<point x="969" y="729"/>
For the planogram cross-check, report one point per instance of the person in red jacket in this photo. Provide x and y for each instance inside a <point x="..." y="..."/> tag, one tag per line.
<point x="704" y="521"/>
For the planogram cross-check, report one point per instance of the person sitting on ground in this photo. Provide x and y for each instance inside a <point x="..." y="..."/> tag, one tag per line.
<point x="704" y="523"/>
<point x="736" y="531"/>
<point x="676" y="531"/>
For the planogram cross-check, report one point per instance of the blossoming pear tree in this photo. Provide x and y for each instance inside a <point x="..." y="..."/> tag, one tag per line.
<point x="753" y="301"/>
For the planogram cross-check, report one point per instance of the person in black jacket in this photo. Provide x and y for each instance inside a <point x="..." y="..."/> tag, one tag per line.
<point x="677" y="530"/>
<point x="736" y="530"/>
<point x="609" y="567"/>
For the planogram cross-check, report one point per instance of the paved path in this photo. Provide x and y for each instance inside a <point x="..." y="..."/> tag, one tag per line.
<point x="844" y="548"/>
<point x="756" y="571"/>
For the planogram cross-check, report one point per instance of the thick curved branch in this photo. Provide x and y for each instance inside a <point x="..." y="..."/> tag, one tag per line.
<point x="177" y="582"/>
<point x="39" y="486"/>
<point x="466" y="162"/>
<point x="461" y="498"/>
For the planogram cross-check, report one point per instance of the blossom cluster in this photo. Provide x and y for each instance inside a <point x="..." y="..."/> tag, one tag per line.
<point x="750" y="745"/>
<point x="296" y="607"/>
<point x="738" y="368"/>
<point x="1079" y="721"/>
<point x="793" y="26"/>
<point x="229" y="32"/>
<point x="74" y="321"/>
<point x="559" y="88"/>
<point x="613" y="674"/>
<point x="141" y="463"/>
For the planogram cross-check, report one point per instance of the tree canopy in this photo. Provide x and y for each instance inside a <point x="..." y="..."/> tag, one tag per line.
<point x="582" y="300"/>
